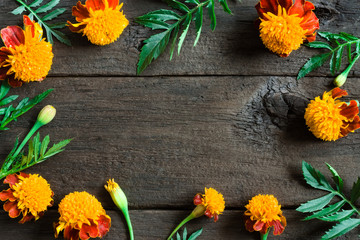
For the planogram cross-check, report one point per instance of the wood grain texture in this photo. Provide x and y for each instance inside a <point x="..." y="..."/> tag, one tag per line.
<point x="157" y="225"/>
<point x="234" y="48"/>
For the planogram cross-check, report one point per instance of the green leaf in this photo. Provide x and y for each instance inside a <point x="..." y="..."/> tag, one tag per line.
<point x="339" y="216"/>
<point x="18" y="10"/>
<point x="331" y="36"/>
<point x="336" y="177"/>
<point x="332" y="63"/>
<point x="177" y="5"/>
<point x="35" y="3"/>
<point x="198" y="24"/>
<point x="173" y="42"/>
<point x="54" y="14"/>
<point x="57" y="148"/>
<point x="5" y="88"/>
<point x="195" y="234"/>
<point x="192" y="1"/>
<point x="161" y="15"/>
<point x="314" y="178"/>
<point x="8" y="100"/>
<point x="326" y="211"/>
<point x="154" y="46"/>
<point x="184" y="234"/>
<point x="319" y="45"/>
<point x="178" y="236"/>
<point x="48" y="6"/>
<point x="316" y="204"/>
<point x="61" y="37"/>
<point x="57" y="25"/>
<point x="186" y="24"/>
<point x="338" y="58"/>
<point x="211" y="10"/>
<point x="348" y="36"/>
<point x="341" y="228"/>
<point x="154" y="24"/>
<point x="225" y="6"/>
<point x="44" y="145"/>
<point x="355" y="191"/>
<point x="312" y="64"/>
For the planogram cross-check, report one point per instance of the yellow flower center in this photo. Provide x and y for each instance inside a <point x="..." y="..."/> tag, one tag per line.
<point x="323" y="117"/>
<point x="77" y="208"/>
<point x="33" y="193"/>
<point x="31" y="61"/>
<point x="264" y="208"/>
<point x="282" y="34"/>
<point x="213" y="201"/>
<point x="105" y="26"/>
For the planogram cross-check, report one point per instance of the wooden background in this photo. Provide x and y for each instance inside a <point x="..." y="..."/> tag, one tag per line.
<point x="226" y="114"/>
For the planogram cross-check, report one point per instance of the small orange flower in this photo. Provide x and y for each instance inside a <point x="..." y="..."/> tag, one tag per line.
<point x="329" y="118"/>
<point x="284" y="26"/>
<point x="213" y="201"/>
<point x="82" y="217"/>
<point x="100" y="20"/>
<point x="263" y="212"/>
<point x="28" y="194"/>
<point x="26" y="56"/>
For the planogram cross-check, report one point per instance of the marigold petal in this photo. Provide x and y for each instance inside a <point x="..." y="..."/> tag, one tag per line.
<point x="269" y="5"/>
<point x="12" y="208"/>
<point x="80" y="12"/>
<point x="88" y="231"/>
<point x="351" y="127"/>
<point x="29" y="23"/>
<point x="77" y="27"/>
<point x="27" y="218"/>
<point x="11" y="179"/>
<point x="278" y="228"/>
<point x="285" y="3"/>
<point x="249" y="225"/>
<point x="95" y="4"/>
<point x="7" y="195"/>
<point x="338" y="93"/>
<point x="113" y="3"/>
<point x="258" y="225"/>
<point x="283" y="221"/>
<point x="12" y="36"/>
<point x="297" y="8"/>
<point x="104" y="224"/>
<point x="14" y="82"/>
<point x="4" y="54"/>
<point x="3" y="72"/>
<point x="350" y="110"/>
<point x="71" y="233"/>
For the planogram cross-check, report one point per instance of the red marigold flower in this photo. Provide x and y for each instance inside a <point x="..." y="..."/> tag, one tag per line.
<point x="285" y="25"/>
<point x="213" y="201"/>
<point x="329" y="118"/>
<point x="29" y="195"/>
<point x="263" y="212"/>
<point x="82" y="217"/>
<point x="100" y="20"/>
<point x="26" y="56"/>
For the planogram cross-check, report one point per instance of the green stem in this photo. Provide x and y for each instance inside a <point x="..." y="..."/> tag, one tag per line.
<point x="264" y="236"/>
<point x="188" y="218"/>
<point x="30" y="10"/>
<point x="347" y="201"/>
<point x="36" y="127"/>
<point x="127" y="218"/>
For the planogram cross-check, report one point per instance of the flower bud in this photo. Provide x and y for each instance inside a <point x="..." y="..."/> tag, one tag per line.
<point x="341" y="79"/>
<point x="117" y="194"/>
<point x="46" y="115"/>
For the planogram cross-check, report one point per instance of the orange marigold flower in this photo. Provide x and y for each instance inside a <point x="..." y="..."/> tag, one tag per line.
<point x="263" y="212"/>
<point x="213" y="201"/>
<point x="329" y="118"/>
<point x="82" y="217"/>
<point x="284" y="26"/>
<point x="26" y="56"/>
<point x="29" y="194"/>
<point x="100" y="20"/>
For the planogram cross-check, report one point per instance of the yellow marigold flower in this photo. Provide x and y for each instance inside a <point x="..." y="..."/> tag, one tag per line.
<point x="100" y="20"/>
<point x="82" y="217"/>
<point x="26" y="56"/>
<point x="263" y="212"/>
<point x="210" y="204"/>
<point x="284" y="26"/>
<point x="29" y="194"/>
<point x="329" y="118"/>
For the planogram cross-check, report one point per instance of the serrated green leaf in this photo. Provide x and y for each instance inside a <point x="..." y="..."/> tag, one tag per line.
<point x="326" y="211"/>
<point x="57" y="148"/>
<point x="341" y="228"/>
<point x="316" y="204"/>
<point x="225" y="6"/>
<point x="193" y="1"/>
<point x="332" y="63"/>
<point x="315" y="178"/>
<point x="154" y="24"/>
<point x="37" y="143"/>
<point x="177" y="5"/>
<point x="355" y="191"/>
<point x="357" y="50"/>
<point x="30" y="155"/>
<point x="47" y="7"/>
<point x="35" y="3"/>
<point x="54" y="14"/>
<point x="336" y="177"/>
<point x="211" y="10"/>
<point x="22" y="103"/>
<point x="18" y="10"/>
<point x="348" y="36"/>
<point x="198" y="24"/>
<point x="186" y="26"/>
<point x="4" y="89"/>
<point x="161" y="15"/>
<point x="339" y="54"/>
<point x="44" y="145"/>
<point x="339" y="216"/>
<point x="331" y="36"/>
<point x="57" y="25"/>
<point x="195" y="234"/>
<point x="8" y="100"/>
<point x="319" y="45"/>
<point x="61" y="37"/>
<point x="185" y="234"/>
<point x="173" y="42"/>
<point x="312" y="64"/>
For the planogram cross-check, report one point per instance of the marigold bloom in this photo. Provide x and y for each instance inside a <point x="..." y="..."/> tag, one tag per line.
<point x="263" y="212"/>
<point x="100" y="20"/>
<point x="82" y="217"/>
<point x="213" y="201"/>
<point x="329" y="118"/>
<point x="285" y="26"/>
<point x="29" y="194"/>
<point x="26" y="56"/>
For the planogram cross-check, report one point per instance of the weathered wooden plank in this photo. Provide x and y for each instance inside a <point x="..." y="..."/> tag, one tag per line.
<point x="233" y="49"/>
<point x="165" y="139"/>
<point x="157" y="224"/>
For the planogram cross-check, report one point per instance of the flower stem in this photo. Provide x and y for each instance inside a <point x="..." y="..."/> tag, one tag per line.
<point x="188" y="218"/>
<point x="36" y="127"/>
<point x="264" y="236"/>
<point x="127" y="218"/>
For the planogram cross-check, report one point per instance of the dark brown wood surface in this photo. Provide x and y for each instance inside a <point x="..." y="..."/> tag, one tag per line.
<point x="226" y="114"/>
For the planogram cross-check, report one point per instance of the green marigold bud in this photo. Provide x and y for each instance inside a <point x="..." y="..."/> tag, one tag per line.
<point x="341" y="79"/>
<point x="46" y="115"/>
